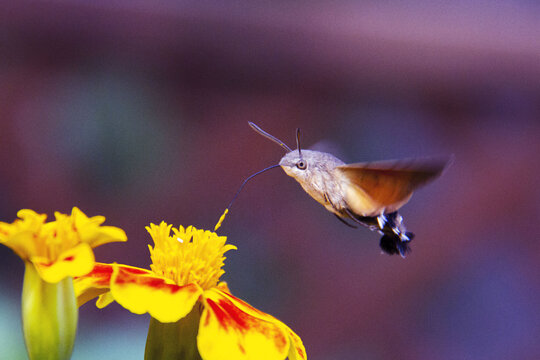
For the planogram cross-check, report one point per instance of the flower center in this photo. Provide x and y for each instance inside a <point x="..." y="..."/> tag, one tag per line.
<point x="189" y="256"/>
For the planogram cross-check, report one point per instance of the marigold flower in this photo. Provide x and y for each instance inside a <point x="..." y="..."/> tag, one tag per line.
<point x="53" y="253"/>
<point x="194" y="315"/>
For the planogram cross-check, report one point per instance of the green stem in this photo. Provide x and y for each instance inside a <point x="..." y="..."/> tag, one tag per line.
<point x="49" y="316"/>
<point x="174" y="340"/>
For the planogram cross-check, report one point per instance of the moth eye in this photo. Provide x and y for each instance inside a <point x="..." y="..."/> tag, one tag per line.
<point x="301" y="165"/>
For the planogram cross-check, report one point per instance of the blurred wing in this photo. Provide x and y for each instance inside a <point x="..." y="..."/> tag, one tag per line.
<point x="391" y="182"/>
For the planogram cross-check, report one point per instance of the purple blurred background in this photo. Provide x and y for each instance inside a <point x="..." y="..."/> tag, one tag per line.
<point x="138" y="111"/>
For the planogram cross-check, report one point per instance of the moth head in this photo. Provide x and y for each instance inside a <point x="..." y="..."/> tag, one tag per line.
<point x="294" y="163"/>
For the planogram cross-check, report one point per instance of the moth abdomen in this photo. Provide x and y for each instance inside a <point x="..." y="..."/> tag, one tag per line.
<point x="395" y="237"/>
<point x="392" y="244"/>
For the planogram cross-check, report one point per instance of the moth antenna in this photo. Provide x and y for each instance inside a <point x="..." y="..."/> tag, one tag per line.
<point x="238" y="192"/>
<point x="298" y="142"/>
<point x="268" y="136"/>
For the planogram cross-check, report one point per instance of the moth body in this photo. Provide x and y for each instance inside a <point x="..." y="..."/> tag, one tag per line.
<point x="325" y="182"/>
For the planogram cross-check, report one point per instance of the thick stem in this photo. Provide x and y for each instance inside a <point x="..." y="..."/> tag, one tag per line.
<point x="174" y="340"/>
<point x="49" y="316"/>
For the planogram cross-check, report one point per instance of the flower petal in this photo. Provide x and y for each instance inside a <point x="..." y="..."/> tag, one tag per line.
<point x="222" y="285"/>
<point x="21" y="243"/>
<point x="142" y="291"/>
<point x="104" y="235"/>
<point x="93" y="284"/>
<point x="104" y="300"/>
<point x="20" y="236"/>
<point x="92" y="233"/>
<point x="76" y="261"/>
<point x="228" y="332"/>
<point x="296" y="351"/>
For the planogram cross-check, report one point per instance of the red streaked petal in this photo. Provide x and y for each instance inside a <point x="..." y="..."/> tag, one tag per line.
<point x="296" y="351"/>
<point x="141" y="291"/>
<point x="244" y="306"/>
<point x="228" y="332"/>
<point x="97" y="281"/>
<point x="223" y="287"/>
<point x="76" y="261"/>
<point x="93" y="284"/>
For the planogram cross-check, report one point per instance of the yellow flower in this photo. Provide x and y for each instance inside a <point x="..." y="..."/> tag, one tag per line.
<point x="53" y="253"/>
<point x="194" y="316"/>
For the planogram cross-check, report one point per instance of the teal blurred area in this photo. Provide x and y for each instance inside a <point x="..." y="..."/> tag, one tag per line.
<point x="11" y="340"/>
<point x="138" y="111"/>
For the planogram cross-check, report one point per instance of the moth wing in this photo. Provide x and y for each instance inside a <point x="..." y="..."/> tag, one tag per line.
<point x="392" y="182"/>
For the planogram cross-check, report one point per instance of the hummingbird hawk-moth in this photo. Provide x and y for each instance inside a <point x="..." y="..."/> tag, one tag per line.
<point x="367" y="194"/>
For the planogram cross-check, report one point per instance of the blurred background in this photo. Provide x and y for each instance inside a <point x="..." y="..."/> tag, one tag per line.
<point x="138" y="111"/>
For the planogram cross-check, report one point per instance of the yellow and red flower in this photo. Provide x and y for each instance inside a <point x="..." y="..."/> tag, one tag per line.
<point x="53" y="253"/>
<point x="60" y="248"/>
<point x="194" y="315"/>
